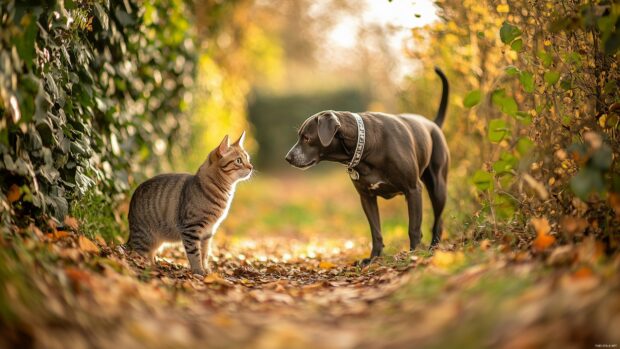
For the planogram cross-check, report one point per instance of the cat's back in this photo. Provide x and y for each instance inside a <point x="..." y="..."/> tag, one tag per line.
<point x="155" y="202"/>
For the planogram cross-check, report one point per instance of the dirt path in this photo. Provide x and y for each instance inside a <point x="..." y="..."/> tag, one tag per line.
<point x="283" y="293"/>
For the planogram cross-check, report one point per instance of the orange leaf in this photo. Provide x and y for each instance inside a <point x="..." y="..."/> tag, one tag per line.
<point x="543" y="239"/>
<point x="60" y="234"/>
<point x="582" y="273"/>
<point x="485" y="244"/>
<point x="86" y="245"/>
<point x="13" y="194"/>
<point x="71" y="223"/>
<point x="326" y="265"/>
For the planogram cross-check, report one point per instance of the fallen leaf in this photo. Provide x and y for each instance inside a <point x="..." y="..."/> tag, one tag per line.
<point x="446" y="259"/>
<point x="71" y="223"/>
<point x="561" y="255"/>
<point x="215" y="278"/>
<point x="582" y="273"/>
<point x="573" y="225"/>
<point x="485" y="244"/>
<point x="13" y="194"/>
<point x="326" y="265"/>
<point x="543" y="239"/>
<point x="86" y="245"/>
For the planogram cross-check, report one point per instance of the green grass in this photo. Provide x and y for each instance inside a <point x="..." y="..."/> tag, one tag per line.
<point x="95" y="214"/>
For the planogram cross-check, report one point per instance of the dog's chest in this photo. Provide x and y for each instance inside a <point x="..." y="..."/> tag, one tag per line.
<point x="375" y="182"/>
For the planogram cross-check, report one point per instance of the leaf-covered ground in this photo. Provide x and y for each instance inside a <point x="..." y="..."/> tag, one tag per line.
<point x="275" y="286"/>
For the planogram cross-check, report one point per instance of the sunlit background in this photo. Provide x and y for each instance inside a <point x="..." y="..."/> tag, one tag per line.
<point x="288" y="60"/>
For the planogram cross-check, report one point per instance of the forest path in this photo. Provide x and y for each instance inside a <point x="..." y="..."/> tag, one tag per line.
<point x="288" y="293"/>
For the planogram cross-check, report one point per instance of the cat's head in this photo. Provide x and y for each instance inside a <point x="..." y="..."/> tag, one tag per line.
<point x="232" y="160"/>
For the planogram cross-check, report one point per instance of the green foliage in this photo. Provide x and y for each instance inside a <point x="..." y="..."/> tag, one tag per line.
<point x="483" y="180"/>
<point x="96" y="216"/>
<point x="506" y="104"/>
<point x="527" y="81"/>
<point x="472" y="98"/>
<point x="508" y="33"/>
<point x="551" y="77"/>
<point x="498" y="129"/>
<point x="90" y="93"/>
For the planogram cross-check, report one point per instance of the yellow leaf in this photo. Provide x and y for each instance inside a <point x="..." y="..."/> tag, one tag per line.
<point x="503" y="8"/>
<point x="326" y="265"/>
<point x="86" y="245"/>
<point x="543" y="239"/>
<point x="547" y="43"/>
<point x="446" y="259"/>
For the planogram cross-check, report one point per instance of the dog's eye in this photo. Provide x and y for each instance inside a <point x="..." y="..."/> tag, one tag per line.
<point x="238" y="161"/>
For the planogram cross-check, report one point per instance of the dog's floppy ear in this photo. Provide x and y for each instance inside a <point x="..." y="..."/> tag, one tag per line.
<point x="328" y="126"/>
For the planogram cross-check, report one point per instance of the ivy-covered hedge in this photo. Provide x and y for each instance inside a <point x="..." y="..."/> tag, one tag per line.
<point x="90" y="91"/>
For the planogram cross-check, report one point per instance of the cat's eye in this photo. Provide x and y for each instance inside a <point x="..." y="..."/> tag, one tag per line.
<point x="238" y="161"/>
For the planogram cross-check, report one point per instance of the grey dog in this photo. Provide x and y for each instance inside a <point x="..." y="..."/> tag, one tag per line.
<point x="386" y="155"/>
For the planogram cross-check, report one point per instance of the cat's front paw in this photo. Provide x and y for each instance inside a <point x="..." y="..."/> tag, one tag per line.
<point x="200" y="272"/>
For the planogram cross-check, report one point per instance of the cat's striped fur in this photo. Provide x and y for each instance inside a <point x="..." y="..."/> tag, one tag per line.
<point x="173" y="207"/>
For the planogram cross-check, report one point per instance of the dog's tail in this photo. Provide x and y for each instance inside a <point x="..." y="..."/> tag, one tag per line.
<point x="441" y="113"/>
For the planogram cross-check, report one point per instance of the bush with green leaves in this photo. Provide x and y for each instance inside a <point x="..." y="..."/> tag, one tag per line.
<point x="556" y="134"/>
<point x="91" y="92"/>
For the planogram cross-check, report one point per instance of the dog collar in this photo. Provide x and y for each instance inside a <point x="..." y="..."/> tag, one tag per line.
<point x="359" y="147"/>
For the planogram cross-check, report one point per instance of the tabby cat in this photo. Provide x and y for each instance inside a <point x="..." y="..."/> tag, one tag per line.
<point x="173" y="207"/>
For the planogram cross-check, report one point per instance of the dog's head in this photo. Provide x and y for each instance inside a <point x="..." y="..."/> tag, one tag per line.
<point x="315" y="138"/>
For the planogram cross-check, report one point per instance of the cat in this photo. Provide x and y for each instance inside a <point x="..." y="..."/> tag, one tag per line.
<point x="172" y="207"/>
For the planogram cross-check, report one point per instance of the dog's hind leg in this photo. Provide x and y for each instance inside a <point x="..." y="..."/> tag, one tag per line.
<point x="414" y="206"/>
<point x="435" y="182"/>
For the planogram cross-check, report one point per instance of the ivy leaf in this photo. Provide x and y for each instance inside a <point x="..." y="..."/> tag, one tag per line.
<point x="551" y="77"/>
<point x="508" y="33"/>
<point x="483" y="180"/>
<point x="472" y="98"/>
<point x="497" y="130"/>
<point x="527" y="80"/>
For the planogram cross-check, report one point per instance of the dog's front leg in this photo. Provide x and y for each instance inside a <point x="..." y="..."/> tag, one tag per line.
<point x="414" y="206"/>
<point x="369" y="204"/>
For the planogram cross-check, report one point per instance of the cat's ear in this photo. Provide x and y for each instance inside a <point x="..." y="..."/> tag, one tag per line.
<point x="223" y="147"/>
<point x="240" y="140"/>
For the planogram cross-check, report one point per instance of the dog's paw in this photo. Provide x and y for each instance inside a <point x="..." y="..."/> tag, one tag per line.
<point x="364" y="262"/>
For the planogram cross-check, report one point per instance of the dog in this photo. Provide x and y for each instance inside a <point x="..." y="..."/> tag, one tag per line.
<point x="386" y="155"/>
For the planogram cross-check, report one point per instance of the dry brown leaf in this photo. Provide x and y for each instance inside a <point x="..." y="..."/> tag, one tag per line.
<point x="538" y="187"/>
<point x="13" y="194"/>
<point x="86" y="245"/>
<point x="72" y="223"/>
<point x="485" y="244"/>
<point x="543" y="239"/>
<point x="573" y="225"/>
